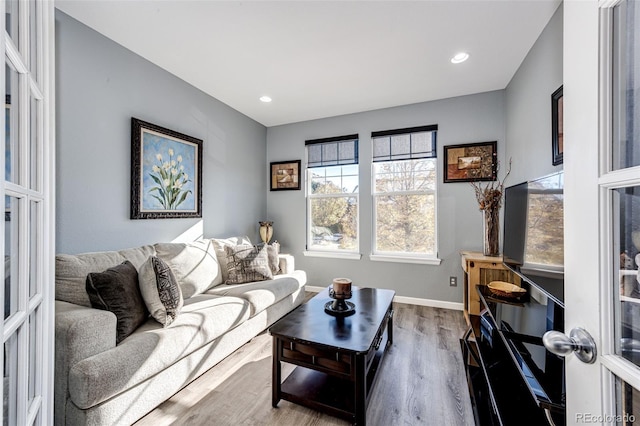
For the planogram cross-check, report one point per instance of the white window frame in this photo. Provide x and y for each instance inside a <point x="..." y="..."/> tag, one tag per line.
<point x="329" y="252"/>
<point x="404" y="257"/>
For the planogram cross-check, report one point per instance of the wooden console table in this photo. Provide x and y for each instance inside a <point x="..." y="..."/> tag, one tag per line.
<point x="481" y="270"/>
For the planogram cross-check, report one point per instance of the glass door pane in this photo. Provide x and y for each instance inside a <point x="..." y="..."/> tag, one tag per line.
<point x="35" y="218"/>
<point x="11" y="271"/>
<point x="626" y="85"/>
<point x="34" y="38"/>
<point x="627" y="260"/>
<point x="628" y="404"/>
<point x="35" y="147"/>
<point x="34" y="356"/>
<point x="12" y="134"/>
<point x="10" y="381"/>
<point x="12" y="19"/>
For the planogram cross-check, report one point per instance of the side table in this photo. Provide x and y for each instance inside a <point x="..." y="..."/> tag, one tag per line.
<point x="481" y="270"/>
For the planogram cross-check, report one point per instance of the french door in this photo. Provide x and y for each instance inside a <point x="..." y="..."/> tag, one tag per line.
<point x="28" y="196"/>
<point x="602" y="207"/>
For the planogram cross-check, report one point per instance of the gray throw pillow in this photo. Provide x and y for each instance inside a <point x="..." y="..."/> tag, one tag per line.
<point x="160" y="290"/>
<point x="116" y="290"/>
<point x="272" y="254"/>
<point x="247" y="263"/>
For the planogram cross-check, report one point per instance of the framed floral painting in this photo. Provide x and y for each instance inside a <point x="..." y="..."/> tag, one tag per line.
<point x="166" y="173"/>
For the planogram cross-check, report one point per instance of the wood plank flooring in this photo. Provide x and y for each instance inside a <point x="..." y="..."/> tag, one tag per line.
<point x="421" y="382"/>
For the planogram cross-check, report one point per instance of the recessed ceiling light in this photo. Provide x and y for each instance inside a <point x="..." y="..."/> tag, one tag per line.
<point x="459" y="58"/>
<point x="265" y="99"/>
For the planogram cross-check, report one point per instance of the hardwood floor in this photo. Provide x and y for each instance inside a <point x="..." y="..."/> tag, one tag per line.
<point x="421" y="382"/>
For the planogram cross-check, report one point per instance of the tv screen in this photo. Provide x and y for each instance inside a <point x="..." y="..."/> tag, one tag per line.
<point x="534" y="233"/>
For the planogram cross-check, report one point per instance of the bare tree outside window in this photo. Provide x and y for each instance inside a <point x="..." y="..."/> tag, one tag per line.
<point x="405" y="207"/>
<point x="333" y="207"/>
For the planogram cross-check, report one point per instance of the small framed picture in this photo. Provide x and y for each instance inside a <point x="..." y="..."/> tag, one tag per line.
<point x="557" y="131"/>
<point x="285" y="175"/>
<point x="166" y="173"/>
<point x="470" y="162"/>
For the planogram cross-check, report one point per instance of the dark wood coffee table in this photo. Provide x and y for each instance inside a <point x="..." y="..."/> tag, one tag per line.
<point x="337" y="358"/>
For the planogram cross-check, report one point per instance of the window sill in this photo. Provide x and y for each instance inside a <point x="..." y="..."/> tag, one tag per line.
<point x="333" y="255"/>
<point x="404" y="259"/>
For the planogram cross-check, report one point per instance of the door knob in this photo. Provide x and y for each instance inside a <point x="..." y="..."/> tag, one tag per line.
<point x="578" y="341"/>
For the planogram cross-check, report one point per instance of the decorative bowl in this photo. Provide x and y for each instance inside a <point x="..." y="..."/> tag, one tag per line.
<point x="505" y="289"/>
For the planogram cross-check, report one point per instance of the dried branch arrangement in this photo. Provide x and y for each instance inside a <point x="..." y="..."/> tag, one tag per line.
<point x="490" y="196"/>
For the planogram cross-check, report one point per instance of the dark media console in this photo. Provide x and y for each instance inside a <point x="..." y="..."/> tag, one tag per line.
<point x="512" y="378"/>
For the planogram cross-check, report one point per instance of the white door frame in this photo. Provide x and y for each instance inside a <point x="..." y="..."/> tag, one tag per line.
<point x="589" y="211"/>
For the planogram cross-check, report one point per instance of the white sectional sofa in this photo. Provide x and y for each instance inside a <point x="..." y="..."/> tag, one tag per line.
<point x="99" y="382"/>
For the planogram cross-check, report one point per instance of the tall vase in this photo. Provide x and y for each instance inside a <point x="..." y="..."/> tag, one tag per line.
<point x="491" y="232"/>
<point x="266" y="231"/>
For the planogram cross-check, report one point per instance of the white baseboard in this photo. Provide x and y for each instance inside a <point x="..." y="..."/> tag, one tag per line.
<point x="410" y="300"/>
<point x="456" y="306"/>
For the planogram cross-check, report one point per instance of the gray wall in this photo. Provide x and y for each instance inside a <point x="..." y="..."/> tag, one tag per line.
<point x="475" y="118"/>
<point x="100" y="86"/>
<point x="528" y="105"/>
<point x="519" y="118"/>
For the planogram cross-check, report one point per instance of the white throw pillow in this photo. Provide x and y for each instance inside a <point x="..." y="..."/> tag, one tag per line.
<point x="194" y="265"/>
<point x="219" y="244"/>
<point x="160" y="290"/>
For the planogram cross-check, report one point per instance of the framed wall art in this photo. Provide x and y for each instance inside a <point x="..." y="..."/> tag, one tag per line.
<point x="166" y="173"/>
<point x="285" y="175"/>
<point x="470" y="162"/>
<point x="557" y="131"/>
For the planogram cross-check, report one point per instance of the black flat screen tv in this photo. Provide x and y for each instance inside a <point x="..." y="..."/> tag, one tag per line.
<point x="534" y="233"/>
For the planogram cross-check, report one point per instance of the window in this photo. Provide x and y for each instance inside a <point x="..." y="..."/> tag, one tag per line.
<point x="332" y="194"/>
<point x="404" y="193"/>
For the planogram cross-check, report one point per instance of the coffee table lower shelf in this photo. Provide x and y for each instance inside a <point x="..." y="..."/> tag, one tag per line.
<point x="326" y="393"/>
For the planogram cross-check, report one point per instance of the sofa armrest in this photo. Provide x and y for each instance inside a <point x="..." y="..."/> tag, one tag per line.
<point x="286" y="263"/>
<point x="81" y="332"/>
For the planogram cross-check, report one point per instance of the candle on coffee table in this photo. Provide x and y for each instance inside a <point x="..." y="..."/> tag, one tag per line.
<point x="341" y="287"/>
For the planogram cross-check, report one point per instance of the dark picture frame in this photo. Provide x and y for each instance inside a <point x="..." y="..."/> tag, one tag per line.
<point x="166" y="173"/>
<point x="471" y="162"/>
<point x="285" y="175"/>
<point x="557" y="128"/>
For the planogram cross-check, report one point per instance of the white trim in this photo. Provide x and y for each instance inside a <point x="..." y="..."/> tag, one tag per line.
<point x="405" y="259"/>
<point x="622" y="368"/>
<point x="456" y="306"/>
<point x="333" y="254"/>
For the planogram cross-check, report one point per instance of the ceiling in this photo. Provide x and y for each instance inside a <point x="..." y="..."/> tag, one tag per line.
<point x="319" y="59"/>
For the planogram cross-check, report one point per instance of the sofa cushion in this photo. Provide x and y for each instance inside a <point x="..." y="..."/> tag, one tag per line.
<point x="262" y="294"/>
<point x="72" y="270"/>
<point x="152" y="348"/>
<point x="160" y="290"/>
<point x="247" y="263"/>
<point x="219" y="244"/>
<point x="194" y="265"/>
<point x="116" y="290"/>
